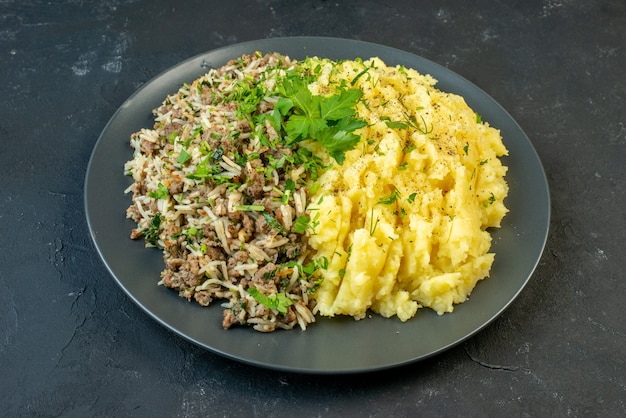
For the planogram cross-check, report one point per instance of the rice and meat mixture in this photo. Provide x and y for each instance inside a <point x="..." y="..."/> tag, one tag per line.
<point x="218" y="190"/>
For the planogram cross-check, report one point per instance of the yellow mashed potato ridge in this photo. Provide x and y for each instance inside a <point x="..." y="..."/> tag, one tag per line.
<point x="403" y="221"/>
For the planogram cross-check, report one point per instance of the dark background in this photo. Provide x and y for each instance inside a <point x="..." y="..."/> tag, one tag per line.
<point x="73" y="344"/>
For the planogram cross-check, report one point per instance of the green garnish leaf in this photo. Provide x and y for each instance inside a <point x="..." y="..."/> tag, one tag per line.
<point x="302" y="126"/>
<point x="340" y="106"/>
<point x="274" y="118"/>
<point x="361" y="74"/>
<point x="279" y="302"/>
<point x="337" y="142"/>
<point x="160" y="193"/>
<point x="283" y="105"/>
<point x="408" y="149"/>
<point x="396" y="124"/>
<point x="250" y="208"/>
<point x="410" y="121"/>
<point x="205" y="148"/>
<point x="301" y="224"/>
<point x="203" y="170"/>
<point x="218" y="153"/>
<point x="183" y="157"/>
<point x="391" y="198"/>
<point x="373" y="224"/>
<point x="328" y="120"/>
<point x="490" y="201"/>
<point x="290" y="185"/>
<point x="273" y="223"/>
<point x="321" y="263"/>
<point x="349" y="124"/>
<point x="151" y="234"/>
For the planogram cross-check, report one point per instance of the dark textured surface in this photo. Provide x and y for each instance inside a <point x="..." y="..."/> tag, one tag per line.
<point x="72" y="344"/>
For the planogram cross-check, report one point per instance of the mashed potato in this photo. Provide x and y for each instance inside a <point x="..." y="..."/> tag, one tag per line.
<point x="403" y="222"/>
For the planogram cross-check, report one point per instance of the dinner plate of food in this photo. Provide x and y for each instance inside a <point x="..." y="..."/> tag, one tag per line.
<point x="317" y="205"/>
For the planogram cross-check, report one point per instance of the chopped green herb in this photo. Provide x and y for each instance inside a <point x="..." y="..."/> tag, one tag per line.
<point x="490" y="201"/>
<point x="183" y="157"/>
<point x="361" y="74"/>
<point x="393" y="124"/>
<point x="390" y="198"/>
<point x="401" y="213"/>
<point x="301" y="224"/>
<point x="250" y="208"/>
<point x="160" y="193"/>
<point x="186" y="143"/>
<point x="218" y="153"/>
<point x="321" y="262"/>
<point x="408" y="149"/>
<point x="373" y="224"/>
<point x="151" y="234"/>
<point x="205" y="148"/>
<point x="273" y="223"/>
<point x="410" y="121"/>
<point x="279" y="302"/>
<point x="207" y="169"/>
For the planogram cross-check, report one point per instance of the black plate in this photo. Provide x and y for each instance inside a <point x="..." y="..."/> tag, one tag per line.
<point x="339" y="345"/>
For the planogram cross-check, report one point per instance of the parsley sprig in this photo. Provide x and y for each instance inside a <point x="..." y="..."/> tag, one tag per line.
<point x="329" y="120"/>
